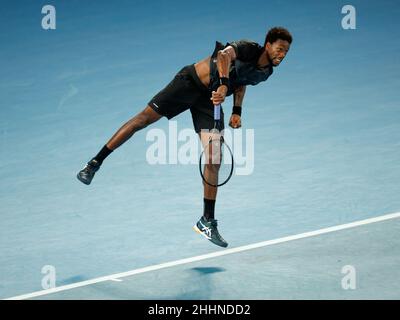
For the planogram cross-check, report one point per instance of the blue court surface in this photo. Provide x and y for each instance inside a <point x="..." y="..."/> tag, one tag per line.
<point x="316" y="218"/>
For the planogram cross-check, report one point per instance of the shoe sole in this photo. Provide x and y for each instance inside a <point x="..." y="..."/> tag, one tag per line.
<point x="195" y="228"/>
<point x="83" y="181"/>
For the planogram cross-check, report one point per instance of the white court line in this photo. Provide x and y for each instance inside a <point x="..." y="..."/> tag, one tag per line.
<point x="113" y="277"/>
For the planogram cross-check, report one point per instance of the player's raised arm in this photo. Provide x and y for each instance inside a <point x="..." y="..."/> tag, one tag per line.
<point x="224" y="60"/>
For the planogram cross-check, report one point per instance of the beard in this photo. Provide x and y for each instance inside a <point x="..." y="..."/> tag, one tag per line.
<point x="273" y="60"/>
<point x="276" y="62"/>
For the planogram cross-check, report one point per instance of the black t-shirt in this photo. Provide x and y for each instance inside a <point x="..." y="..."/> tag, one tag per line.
<point x="244" y="70"/>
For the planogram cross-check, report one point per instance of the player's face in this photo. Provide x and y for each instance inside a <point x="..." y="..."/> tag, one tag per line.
<point x="277" y="51"/>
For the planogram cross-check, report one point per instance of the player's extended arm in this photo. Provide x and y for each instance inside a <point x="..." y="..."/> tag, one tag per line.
<point x="238" y="96"/>
<point x="235" y="120"/>
<point x="224" y="60"/>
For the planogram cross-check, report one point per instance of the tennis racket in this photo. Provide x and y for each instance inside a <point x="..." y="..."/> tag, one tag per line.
<point x="216" y="160"/>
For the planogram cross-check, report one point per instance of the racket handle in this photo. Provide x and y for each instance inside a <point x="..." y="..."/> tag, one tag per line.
<point x="217" y="112"/>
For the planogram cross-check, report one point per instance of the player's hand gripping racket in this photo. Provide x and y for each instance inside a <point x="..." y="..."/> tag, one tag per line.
<point x="216" y="160"/>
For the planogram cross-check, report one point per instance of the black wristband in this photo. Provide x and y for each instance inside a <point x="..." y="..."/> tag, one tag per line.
<point x="237" y="110"/>
<point x="224" y="81"/>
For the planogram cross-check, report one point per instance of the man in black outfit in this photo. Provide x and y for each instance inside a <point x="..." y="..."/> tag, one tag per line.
<point x="199" y="87"/>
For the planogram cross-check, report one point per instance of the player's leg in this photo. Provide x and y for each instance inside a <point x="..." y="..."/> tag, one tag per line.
<point x="211" y="169"/>
<point x="175" y="98"/>
<point x="138" y="122"/>
<point x="203" y="118"/>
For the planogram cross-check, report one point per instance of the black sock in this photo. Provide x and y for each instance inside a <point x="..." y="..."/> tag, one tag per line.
<point x="104" y="153"/>
<point x="209" y="206"/>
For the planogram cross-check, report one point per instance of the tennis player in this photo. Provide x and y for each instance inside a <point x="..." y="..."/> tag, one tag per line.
<point x="198" y="87"/>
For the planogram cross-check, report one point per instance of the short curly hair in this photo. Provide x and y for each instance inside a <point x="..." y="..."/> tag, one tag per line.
<point x="277" y="33"/>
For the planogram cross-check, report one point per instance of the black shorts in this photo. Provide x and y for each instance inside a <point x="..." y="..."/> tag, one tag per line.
<point x="186" y="91"/>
